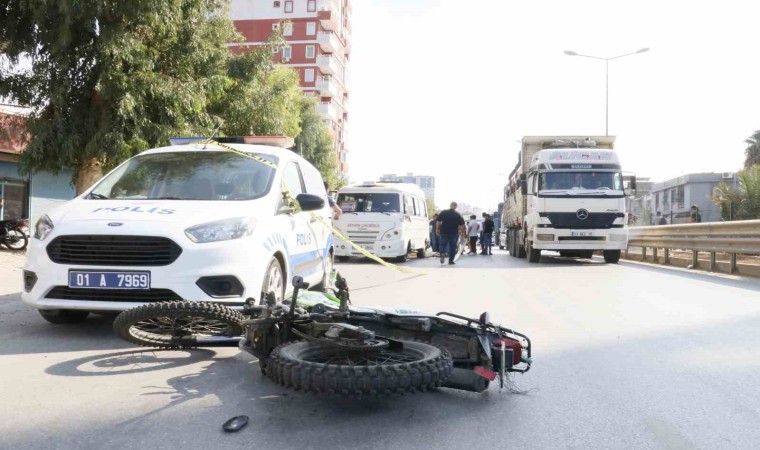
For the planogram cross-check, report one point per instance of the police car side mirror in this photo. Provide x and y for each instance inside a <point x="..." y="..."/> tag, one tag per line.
<point x="310" y="202"/>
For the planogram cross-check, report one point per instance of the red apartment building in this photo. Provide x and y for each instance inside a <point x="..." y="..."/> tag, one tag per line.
<point x="319" y="45"/>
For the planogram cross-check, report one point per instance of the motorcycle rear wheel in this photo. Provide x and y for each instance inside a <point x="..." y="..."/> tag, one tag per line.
<point x="177" y="324"/>
<point x="16" y="240"/>
<point x="310" y="367"/>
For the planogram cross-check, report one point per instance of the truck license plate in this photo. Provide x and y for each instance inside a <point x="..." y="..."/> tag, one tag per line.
<point x="109" y="280"/>
<point x="581" y="233"/>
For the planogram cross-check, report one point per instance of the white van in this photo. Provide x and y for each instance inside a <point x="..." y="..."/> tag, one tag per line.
<point x="192" y="222"/>
<point x="388" y="219"/>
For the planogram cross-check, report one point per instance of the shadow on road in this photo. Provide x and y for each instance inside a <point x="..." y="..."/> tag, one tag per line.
<point x="129" y="362"/>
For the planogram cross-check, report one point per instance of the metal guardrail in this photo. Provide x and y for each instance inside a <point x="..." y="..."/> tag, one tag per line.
<point x="739" y="237"/>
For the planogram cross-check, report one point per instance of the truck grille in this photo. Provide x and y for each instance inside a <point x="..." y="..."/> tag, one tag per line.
<point x="594" y="220"/>
<point x="106" y="250"/>
<point x="112" y="295"/>
<point x="363" y="236"/>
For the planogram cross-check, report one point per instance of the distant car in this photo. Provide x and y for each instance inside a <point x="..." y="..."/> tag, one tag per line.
<point x="183" y="222"/>
<point x="502" y="239"/>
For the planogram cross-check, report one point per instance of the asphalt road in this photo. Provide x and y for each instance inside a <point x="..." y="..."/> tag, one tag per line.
<point x="626" y="356"/>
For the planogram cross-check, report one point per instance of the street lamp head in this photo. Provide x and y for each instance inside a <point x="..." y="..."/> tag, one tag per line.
<point x="572" y="53"/>
<point x="645" y="49"/>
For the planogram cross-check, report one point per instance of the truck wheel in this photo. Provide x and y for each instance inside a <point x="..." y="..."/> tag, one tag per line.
<point x="512" y="246"/>
<point x="534" y="255"/>
<point x="521" y="253"/>
<point x="61" y="316"/>
<point x="611" y="256"/>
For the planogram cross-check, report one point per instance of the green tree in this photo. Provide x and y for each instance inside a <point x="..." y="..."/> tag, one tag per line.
<point x="111" y="78"/>
<point x="432" y="209"/>
<point x="744" y="202"/>
<point x="315" y="142"/>
<point x="752" y="153"/>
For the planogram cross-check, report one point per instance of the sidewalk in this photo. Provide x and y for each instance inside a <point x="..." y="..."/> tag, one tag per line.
<point x="11" y="264"/>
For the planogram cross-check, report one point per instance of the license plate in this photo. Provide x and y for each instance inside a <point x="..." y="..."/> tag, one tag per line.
<point x="109" y="280"/>
<point x="581" y="233"/>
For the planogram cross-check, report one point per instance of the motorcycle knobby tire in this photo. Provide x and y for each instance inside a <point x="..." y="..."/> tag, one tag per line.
<point x="289" y="365"/>
<point x="127" y="324"/>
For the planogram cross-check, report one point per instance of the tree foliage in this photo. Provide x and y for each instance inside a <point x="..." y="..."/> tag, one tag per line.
<point x="744" y="202"/>
<point x="752" y="153"/>
<point x="110" y="78"/>
<point x="315" y="142"/>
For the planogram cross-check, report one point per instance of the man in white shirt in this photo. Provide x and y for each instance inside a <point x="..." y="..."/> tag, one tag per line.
<point x="473" y="230"/>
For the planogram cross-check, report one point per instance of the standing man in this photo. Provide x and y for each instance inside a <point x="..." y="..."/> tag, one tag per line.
<point x="473" y="230"/>
<point x="488" y="227"/>
<point x="331" y="201"/>
<point x="695" y="216"/>
<point x="449" y="226"/>
<point x="661" y="220"/>
<point x="434" y="238"/>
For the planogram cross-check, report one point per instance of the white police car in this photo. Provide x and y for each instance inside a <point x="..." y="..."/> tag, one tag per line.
<point x="193" y="222"/>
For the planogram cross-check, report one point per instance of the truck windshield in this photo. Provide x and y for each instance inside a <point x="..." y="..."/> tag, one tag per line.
<point x="370" y="202"/>
<point x="207" y="175"/>
<point x="581" y="180"/>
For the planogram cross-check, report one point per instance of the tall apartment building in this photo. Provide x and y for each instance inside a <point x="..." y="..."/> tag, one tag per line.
<point x="425" y="182"/>
<point x="318" y="34"/>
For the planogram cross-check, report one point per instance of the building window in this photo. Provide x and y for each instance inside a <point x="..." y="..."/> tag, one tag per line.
<point x="311" y="28"/>
<point x="308" y="75"/>
<point x="288" y="30"/>
<point x="286" y="53"/>
<point x="680" y="197"/>
<point x="288" y="6"/>
<point x="311" y="6"/>
<point x="310" y="54"/>
<point x="276" y="4"/>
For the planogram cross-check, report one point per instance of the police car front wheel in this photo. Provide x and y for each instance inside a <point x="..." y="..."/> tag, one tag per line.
<point x="274" y="281"/>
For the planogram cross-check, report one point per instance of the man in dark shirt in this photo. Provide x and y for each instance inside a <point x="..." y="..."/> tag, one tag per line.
<point x="488" y="227"/>
<point x="449" y="226"/>
<point x="695" y="216"/>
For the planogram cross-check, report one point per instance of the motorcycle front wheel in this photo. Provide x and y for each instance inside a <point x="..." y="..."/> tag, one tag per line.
<point x="311" y="367"/>
<point x="16" y="240"/>
<point x="178" y="324"/>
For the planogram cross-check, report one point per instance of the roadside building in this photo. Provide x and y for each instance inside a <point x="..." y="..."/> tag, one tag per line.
<point x="425" y="182"/>
<point x="25" y="196"/>
<point x="318" y="35"/>
<point x="674" y="197"/>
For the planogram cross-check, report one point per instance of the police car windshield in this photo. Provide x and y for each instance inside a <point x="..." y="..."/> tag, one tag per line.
<point x="580" y="180"/>
<point x="205" y="175"/>
<point x="369" y="202"/>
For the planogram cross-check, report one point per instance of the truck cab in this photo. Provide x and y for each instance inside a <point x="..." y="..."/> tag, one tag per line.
<point x="569" y="197"/>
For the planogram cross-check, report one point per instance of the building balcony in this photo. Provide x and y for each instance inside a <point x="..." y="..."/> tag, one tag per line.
<point x="327" y="86"/>
<point x="327" y="16"/>
<point x="328" y="110"/>
<point x="328" y="41"/>
<point x="328" y="65"/>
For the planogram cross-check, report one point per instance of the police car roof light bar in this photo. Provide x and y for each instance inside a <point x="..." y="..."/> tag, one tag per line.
<point x="274" y="141"/>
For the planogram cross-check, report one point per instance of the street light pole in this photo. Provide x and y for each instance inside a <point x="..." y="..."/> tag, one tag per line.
<point x="606" y="80"/>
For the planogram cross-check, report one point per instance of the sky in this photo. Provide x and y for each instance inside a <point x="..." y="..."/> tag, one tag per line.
<point x="449" y="87"/>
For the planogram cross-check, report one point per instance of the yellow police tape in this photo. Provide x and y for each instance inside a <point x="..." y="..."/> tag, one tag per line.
<point x="297" y="208"/>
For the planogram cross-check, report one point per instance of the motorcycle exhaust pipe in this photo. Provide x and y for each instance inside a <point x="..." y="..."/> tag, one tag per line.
<point x="466" y="380"/>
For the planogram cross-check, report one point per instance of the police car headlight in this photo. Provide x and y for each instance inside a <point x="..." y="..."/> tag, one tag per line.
<point x="43" y="228"/>
<point x="221" y="230"/>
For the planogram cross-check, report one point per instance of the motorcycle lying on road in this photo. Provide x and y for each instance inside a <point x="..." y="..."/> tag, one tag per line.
<point x="319" y="343"/>
<point x="14" y="234"/>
